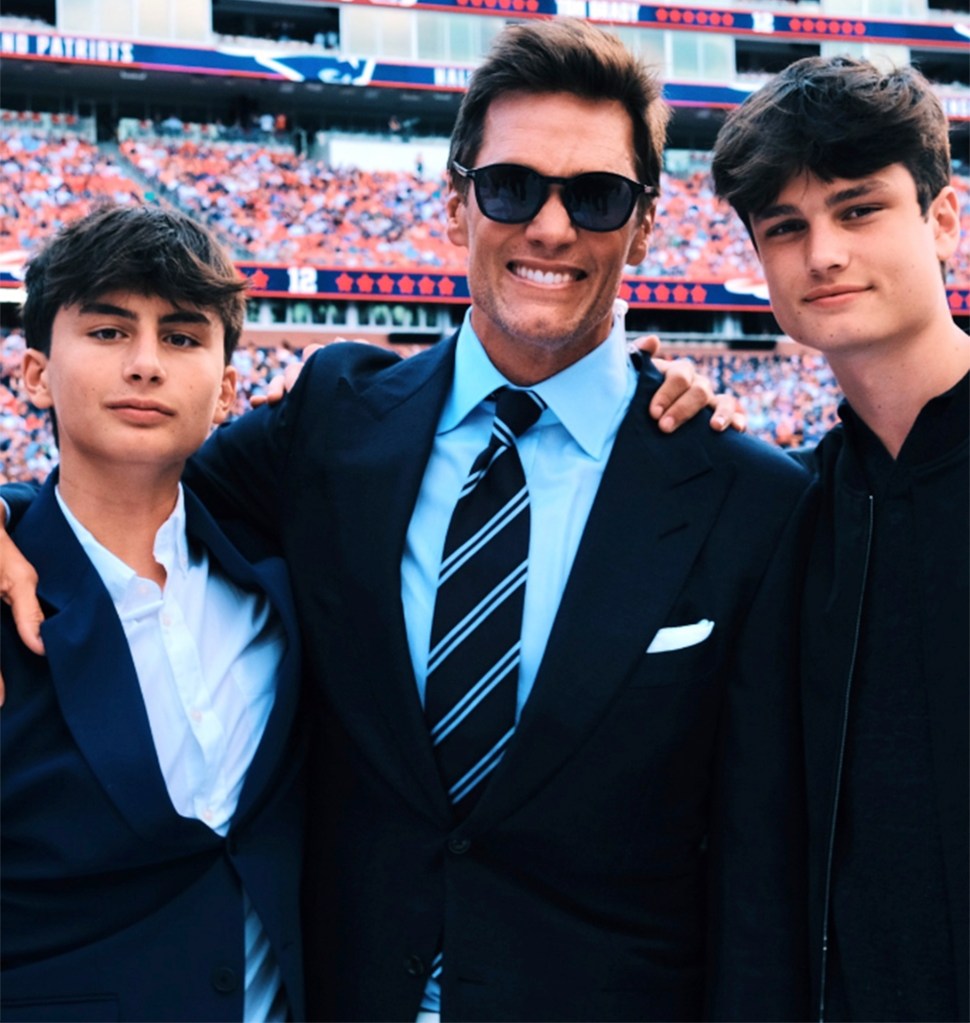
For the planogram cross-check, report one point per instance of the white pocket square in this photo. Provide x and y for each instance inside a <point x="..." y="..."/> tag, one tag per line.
<point x="676" y="637"/>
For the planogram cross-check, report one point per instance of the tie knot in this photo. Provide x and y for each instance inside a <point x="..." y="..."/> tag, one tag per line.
<point x="518" y="410"/>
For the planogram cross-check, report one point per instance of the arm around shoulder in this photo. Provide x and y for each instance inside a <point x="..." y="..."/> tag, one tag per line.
<point x="243" y="470"/>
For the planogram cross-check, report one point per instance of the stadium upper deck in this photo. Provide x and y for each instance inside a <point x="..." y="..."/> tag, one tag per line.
<point x="355" y="63"/>
<point x="299" y="71"/>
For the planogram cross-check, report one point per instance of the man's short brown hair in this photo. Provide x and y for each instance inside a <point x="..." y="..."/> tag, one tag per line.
<point x="569" y="56"/>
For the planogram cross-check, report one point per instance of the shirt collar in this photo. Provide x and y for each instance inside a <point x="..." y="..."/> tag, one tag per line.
<point x="171" y="549"/>
<point x="590" y="414"/>
<point x="939" y="429"/>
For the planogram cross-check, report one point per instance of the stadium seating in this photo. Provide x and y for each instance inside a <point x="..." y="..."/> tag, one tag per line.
<point x="270" y="204"/>
<point x="48" y="175"/>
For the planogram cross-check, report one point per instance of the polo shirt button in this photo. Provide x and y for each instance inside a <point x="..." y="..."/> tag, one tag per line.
<point x="414" y="966"/>
<point x="224" y="980"/>
<point x="458" y="846"/>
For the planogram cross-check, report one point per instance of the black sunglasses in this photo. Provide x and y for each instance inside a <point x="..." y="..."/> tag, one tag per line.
<point x="512" y="194"/>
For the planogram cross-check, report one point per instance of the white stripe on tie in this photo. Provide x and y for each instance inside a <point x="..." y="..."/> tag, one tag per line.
<point x="478" y="692"/>
<point x="479" y="771"/>
<point x="471" y="621"/>
<point x="498" y="521"/>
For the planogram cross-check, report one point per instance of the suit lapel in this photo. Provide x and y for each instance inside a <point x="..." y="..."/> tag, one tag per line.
<point x="657" y="501"/>
<point x="386" y="433"/>
<point x="94" y="676"/>
<point x="656" y="504"/>
<point x="268" y="576"/>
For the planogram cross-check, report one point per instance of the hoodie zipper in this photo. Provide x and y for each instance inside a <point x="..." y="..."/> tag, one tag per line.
<point x="838" y="775"/>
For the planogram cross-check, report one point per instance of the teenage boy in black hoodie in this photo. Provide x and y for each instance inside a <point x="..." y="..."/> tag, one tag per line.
<point x="841" y="173"/>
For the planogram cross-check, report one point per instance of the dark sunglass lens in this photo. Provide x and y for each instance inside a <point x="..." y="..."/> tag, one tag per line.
<point x="600" y="202"/>
<point x="508" y="193"/>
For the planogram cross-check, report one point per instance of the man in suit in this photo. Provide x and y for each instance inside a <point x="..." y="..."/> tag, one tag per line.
<point x="841" y="172"/>
<point x="596" y="814"/>
<point x="151" y="793"/>
<point x="630" y="850"/>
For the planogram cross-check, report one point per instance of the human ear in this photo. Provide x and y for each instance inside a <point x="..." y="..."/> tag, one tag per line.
<point x="944" y="215"/>
<point x="457" y="222"/>
<point x="637" y="251"/>
<point x="227" y="394"/>
<point x="35" y="376"/>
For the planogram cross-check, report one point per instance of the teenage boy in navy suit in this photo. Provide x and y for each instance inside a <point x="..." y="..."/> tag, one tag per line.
<point x="151" y="789"/>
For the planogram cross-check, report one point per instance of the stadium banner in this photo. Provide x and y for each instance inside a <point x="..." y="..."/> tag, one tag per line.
<point x="804" y="25"/>
<point x="334" y="69"/>
<point x="371" y="284"/>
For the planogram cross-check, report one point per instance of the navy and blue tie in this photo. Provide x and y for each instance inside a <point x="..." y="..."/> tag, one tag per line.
<point x="473" y="665"/>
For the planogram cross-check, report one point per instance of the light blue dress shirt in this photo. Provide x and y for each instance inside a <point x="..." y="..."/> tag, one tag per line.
<point x="563" y="457"/>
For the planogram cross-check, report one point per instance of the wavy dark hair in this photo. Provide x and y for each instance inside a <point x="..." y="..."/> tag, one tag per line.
<point x="835" y="117"/>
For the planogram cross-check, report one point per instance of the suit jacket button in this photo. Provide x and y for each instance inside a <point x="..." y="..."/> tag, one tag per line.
<point x="224" y="980"/>
<point x="414" y="966"/>
<point x="459" y="845"/>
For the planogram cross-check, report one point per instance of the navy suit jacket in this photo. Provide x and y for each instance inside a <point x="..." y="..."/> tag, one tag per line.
<point x="113" y="905"/>
<point x="638" y="852"/>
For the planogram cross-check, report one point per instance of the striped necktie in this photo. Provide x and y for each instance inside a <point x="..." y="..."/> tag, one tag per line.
<point x="473" y="665"/>
<point x="264" y="998"/>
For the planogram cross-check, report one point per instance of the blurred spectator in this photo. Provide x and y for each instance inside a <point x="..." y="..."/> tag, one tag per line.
<point x="171" y="125"/>
<point x="27" y="450"/>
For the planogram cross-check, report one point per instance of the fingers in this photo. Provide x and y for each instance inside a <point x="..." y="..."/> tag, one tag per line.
<point x="274" y="392"/>
<point x="280" y="384"/>
<point x="728" y="414"/>
<point x="683" y="393"/>
<point x="291" y="374"/>
<point x="18" y="588"/>
<point x="648" y="343"/>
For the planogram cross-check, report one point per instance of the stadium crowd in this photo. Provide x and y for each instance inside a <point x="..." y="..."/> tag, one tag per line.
<point x="275" y="206"/>
<point x="270" y="204"/>
<point x="47" y="178"/>
<point x="790" y="400"/>
<point x="267" y="203"/>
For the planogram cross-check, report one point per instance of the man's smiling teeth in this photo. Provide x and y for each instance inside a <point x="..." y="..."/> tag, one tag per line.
<point x="543" y="276"/>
